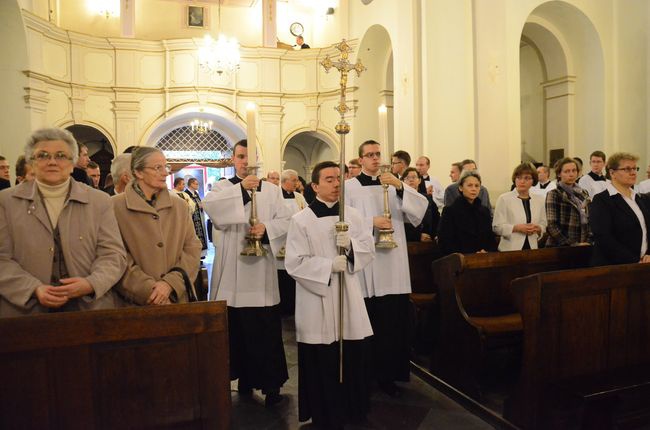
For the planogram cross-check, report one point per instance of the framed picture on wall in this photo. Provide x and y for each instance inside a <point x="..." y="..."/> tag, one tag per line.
<point x="196" y="16"/>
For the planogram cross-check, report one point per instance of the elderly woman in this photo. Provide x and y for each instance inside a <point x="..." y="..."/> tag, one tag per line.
<point x="426" y="231"/>
<point x="519" y="216"/>
<point x="619" y="217"/>
<point x="158" y="233"/>
<point x="567" y="208"/>
<point x="60" y="247"/>
<point x="466" y="225"/>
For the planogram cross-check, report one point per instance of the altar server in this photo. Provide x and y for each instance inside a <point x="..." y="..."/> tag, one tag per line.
<point x="386" y="282"/>
<point x="312" y="258"/>
<point x="249" y="284"/>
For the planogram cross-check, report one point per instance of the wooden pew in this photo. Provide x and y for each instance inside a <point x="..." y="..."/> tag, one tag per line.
<point x="423" y="296"/>
<point x="133" y="368"/>
<point x="477" y="312"/>
<point x="586" y="337"/>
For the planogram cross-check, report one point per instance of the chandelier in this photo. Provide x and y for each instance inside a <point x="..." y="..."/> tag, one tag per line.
<point x="106" y="8"/>
<point x="200" y="126"/>
<point x="219" y="56"/>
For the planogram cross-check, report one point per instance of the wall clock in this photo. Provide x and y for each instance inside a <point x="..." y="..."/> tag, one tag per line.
<point x="296" y="29"/>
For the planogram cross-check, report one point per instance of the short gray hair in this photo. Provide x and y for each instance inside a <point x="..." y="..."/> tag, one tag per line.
<point x="121" y="164"/>
<point x="139" y="157"/>
<point x="51" y="133"/>
<point x="469" y="173"/>
<point x="287" y="174"/>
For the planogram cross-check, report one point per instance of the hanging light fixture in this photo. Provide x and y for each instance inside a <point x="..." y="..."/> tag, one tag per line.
<point x="200" y="126"/>
<point x="219" y="56"/>
<point x="106" y="8"/>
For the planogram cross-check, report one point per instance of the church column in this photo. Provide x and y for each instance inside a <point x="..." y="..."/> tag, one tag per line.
<point x="496" y="96"/>
<point x="269" y="23"/>
<point x="270" y="134"/>
<point x="127" y="111"/>
<point x="36" y="100"/>
<point x="559" y="115"/>
<point x="127" y="18"/>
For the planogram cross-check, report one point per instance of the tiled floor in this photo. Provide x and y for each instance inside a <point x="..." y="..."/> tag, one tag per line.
<point x="420" y="406"/>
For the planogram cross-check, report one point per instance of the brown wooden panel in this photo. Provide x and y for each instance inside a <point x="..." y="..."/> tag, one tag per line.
<point x="583" y="327"/>
<point x="72" y="374"/>
<point x="24" y="389"/>
<point x="151" y="384"/>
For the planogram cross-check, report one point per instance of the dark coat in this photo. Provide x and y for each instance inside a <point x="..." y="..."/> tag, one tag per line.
<point x="466" y="228"/>
<point x="429" y="223"/>
<point x="616" y="229"/>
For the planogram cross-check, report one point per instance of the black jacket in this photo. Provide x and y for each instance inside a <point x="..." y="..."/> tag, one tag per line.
<point x="616" y="229"/>
<point x="429" y="224"/>
<point x="466" y="228"/>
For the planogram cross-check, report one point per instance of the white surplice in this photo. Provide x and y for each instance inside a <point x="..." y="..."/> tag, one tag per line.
<point x="295" y="205"/>
<point x="241" y="280"/>
<point x="310" y="250"/>
<point x="389" y="272"/>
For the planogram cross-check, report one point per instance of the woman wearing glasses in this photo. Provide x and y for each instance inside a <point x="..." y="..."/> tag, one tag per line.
<point x="158" y="233"/>
<point x="60" y="246"/>
<point x="519" y="216"/>
<point x="619" y="217"/>
<point x="567" y="208"/>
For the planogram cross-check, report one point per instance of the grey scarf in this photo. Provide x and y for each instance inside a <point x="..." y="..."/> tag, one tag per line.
<point x="577" y="197"/>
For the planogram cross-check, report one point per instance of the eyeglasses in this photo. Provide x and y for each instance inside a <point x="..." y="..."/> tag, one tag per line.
<point x="160" y="168"/>
<point x="45" y="156"/>
<point x="524" y="178"/>
<point x="628" y="169"/>
<point x="394" y="163"/>
<point x="372" y="155"/>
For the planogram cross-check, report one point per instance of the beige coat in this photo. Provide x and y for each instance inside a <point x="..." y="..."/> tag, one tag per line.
<point x="156" y="240"/>
<point x="91" y="245"/>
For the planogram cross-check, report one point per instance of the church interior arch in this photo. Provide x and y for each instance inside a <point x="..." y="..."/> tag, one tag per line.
<point x="306" y="149"/>
<point x="562" y="86"/>
<point x="375" y="87"/>
<point x="99" y="147"/>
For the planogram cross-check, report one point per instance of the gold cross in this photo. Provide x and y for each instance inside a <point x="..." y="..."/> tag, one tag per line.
<point x="344" y="67"/>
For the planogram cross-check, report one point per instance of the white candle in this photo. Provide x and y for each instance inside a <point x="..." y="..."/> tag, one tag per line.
<point x="383" y="134"/>
<point x="250" y="134"/>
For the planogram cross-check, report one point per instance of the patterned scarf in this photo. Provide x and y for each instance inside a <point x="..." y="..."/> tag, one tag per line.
<point x="577" y="197"/>
<point x="139" y="192"/>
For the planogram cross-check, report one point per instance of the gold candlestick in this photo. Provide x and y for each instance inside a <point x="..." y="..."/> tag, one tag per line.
<point x="385" y="239"/>
<point x="254" y="247"/>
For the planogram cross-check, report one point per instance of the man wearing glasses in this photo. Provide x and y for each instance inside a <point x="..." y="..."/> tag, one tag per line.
<point x="5" y="181"/>
<point x="386" y="283"/>
<point x="400" y="161"/>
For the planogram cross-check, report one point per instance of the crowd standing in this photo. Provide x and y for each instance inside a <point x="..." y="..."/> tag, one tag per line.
<point x="66" y="245"/>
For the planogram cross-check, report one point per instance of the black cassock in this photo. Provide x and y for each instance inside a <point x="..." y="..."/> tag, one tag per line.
<point x="197" y="219"/>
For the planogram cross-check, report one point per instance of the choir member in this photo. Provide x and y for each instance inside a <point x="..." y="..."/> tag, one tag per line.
<point x="249" y="284"/>
<point x="312" y="258"/>
<point x="386" y="282"/>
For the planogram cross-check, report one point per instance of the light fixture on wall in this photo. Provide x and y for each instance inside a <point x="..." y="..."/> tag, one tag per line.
<point x="201" y="127"/>
<point x="105" y="8"/>
<point x="219" y="56"/>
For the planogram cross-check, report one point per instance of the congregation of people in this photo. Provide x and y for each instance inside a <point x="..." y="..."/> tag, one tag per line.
<point x="66" y="245"/>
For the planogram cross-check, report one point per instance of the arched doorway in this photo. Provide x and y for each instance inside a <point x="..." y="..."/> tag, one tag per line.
<point x="306" y="149"/>
<point x="376" y="88"/>
<point x="99" y="148"/>
<point x="561" y="84"/>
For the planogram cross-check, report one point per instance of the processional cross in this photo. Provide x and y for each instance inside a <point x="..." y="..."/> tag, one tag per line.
<point x="342" y="128"/>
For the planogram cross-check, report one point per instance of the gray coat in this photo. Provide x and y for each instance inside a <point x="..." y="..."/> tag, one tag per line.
<point x="90" y="241"/>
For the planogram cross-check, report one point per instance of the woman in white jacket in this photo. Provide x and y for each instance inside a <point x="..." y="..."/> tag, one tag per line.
<point x="520" y="217"/>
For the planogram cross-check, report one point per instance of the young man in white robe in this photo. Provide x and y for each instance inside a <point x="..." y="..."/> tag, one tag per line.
<point x="312" y="258"/>
<point x="295" y="202"/>
<point x="386" y="282"/>
<point x="249" y="284"/>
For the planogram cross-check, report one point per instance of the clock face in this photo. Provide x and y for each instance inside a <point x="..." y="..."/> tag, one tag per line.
<point x="296" y="29"/>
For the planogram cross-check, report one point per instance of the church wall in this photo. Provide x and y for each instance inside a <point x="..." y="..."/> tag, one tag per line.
<point x="127" y="88"/>
<point x="532" y="104"/>
<point x="14" y="117"/>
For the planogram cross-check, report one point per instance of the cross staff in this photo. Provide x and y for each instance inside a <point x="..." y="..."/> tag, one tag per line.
<point x="342" y="128"/>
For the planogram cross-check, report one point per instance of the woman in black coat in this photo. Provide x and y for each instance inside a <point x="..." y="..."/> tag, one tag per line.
<point x="466" y="225"/>
<point x="426" y="231"/>
<point x="619" y="217"/>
